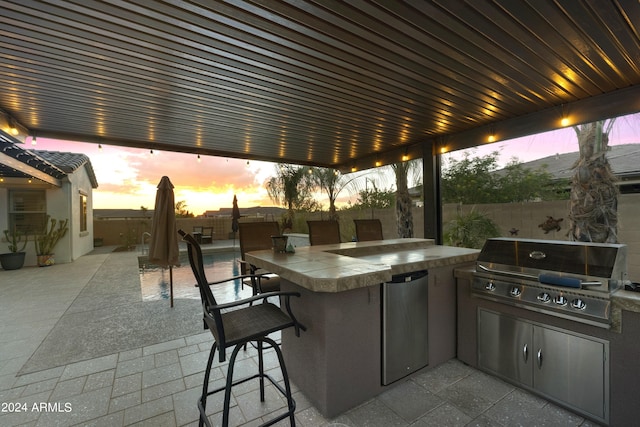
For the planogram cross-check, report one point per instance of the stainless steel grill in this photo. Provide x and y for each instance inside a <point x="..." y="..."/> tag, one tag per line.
<point x="573" y="280"/>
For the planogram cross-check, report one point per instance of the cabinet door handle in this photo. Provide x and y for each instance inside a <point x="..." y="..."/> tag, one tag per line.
<point x="540" y="359"/>
<point x="525" y="353"/>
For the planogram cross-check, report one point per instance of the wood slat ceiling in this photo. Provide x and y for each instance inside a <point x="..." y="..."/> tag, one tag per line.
<point x="323" y="82"/>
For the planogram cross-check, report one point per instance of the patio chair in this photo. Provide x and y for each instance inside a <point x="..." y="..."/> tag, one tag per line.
<point x="207" y="235"/>
<point x="368" y="229"/>
<point x="197" y="233"/>
<point x="323" y="232"/>
<point x="233" y="325"/>
<point x="255" y="236"/>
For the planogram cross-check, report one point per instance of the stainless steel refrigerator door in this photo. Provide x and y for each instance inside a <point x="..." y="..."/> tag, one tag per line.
<point x="405" y="347"/>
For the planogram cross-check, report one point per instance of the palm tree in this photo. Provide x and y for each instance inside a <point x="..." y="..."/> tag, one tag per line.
<point x="181" y="210"/>
<point x="593" y="210"/>
<point x="332" y="182"/>
<point x="291" y="187"/>
<point x="404" y="215"/>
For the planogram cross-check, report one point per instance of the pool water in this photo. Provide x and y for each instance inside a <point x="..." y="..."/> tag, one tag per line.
<point x="154" y="280"/>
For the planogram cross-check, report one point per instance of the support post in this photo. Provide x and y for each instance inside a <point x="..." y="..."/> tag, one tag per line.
<point x="431" y="164"/>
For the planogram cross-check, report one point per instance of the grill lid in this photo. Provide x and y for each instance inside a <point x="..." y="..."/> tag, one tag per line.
<point x="554" y="259"/>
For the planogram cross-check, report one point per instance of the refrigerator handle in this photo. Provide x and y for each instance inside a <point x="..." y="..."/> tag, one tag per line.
<point x="408" y="277"/>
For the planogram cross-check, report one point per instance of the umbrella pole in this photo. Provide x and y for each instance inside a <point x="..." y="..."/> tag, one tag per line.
<point x="171" y="284"/>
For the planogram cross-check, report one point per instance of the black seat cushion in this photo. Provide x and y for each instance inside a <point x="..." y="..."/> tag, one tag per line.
<point x="253" y="322"/>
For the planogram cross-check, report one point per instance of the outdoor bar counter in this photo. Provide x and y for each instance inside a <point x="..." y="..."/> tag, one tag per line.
<point x="336" y="362"/>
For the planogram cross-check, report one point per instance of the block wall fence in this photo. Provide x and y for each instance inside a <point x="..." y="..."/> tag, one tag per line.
<point x="524" y="217"/>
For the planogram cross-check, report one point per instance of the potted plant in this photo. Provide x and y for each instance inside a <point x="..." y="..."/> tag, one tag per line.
<point x="47" y="240"/>
<point x="14" y="259"/>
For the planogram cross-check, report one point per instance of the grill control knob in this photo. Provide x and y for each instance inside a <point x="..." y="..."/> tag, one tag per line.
<point x="490" y="286"/>
<point x="560" y="300"/>
<point x="578" y="304"/>
<point x="515" y="291"/>
<point x="544" y="297"/>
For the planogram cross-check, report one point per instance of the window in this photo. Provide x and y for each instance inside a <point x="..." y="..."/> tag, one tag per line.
<point x="83" y="212"/>
<point x="27" y="210"/>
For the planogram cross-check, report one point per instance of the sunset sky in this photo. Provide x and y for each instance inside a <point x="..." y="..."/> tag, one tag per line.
<point x="128" y="177"/>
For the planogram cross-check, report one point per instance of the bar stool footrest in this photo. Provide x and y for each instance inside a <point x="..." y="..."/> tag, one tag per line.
<point x="282" y="391"/>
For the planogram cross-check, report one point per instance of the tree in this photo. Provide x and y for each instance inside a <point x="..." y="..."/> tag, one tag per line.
<point x="374" y="198"/>
<point x="145" y="212"/>
<point x="181" y="210"/>
<point x="145" y="217"/>
<point x="474" y="180"/>
<point x="332" y="182"/>
<point x="291" y="187"/>
<point x="469" y="180"/>
<point x="518" y="183"/>
<point x="593" y="208"/>
<point x="404" y="215"/>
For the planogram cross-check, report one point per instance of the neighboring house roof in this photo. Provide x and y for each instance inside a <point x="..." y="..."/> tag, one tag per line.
<point x="18" y="162"/>
<point x="122" y="214"/>
<point x="254" y="210"/>
<point x="624" y="161"/>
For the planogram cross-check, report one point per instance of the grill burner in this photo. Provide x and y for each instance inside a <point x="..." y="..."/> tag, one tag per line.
<point x="573" y="280"/>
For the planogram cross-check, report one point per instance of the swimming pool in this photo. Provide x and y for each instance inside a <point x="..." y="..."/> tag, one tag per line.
<point x="154" y="280"/>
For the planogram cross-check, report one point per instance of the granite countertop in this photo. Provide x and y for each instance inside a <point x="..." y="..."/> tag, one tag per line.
<point x="623" y="300"/>
<point x="352" y="265"/>
<point x="626" y="300"/>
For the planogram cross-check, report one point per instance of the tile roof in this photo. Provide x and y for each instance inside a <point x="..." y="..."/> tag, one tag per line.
<point x="69" y="162"/>
<point x="55" y="164"/>
<point x="624" y="161"/>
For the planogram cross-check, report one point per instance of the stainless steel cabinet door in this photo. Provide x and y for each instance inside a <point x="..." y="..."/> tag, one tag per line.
<point x="505" y="346"/>
<point x="571" y="369"/>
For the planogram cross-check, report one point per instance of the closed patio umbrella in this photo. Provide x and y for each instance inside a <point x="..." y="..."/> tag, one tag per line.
<point x="163" y="245"/>
<point x="235" y="216"/>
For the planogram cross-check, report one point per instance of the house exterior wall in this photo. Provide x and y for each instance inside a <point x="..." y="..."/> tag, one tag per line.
<point x="30" y="257"/>
<point x="58" y="207"/>
<point x="62" y="203"/>
<point x="81" y="241"/>
<point x="4" y="217"/>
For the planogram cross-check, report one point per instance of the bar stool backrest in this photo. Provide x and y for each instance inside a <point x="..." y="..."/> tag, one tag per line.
<point x="323" y="232"/>
<point x="212" y="318"/>
<point x="368" y="229"/>
<point x="255" y="236"/>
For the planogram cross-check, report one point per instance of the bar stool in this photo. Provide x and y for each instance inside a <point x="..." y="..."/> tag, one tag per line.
<point x="232" y="326"/>
<point x="255" y="236"/>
